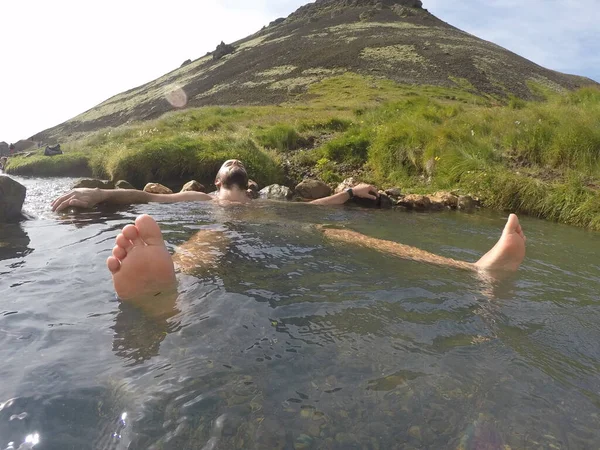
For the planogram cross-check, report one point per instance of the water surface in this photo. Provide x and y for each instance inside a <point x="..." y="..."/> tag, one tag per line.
<point x="293" y="342"/>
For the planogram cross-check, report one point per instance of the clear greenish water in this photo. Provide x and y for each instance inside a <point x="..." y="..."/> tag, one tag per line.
<point x="296" y="343"/>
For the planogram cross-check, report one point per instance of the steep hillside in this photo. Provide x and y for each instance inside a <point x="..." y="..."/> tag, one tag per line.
<point x="393" y="39"/>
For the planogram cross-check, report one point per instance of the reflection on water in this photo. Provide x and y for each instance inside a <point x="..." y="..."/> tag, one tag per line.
<point x="292" y="342"/>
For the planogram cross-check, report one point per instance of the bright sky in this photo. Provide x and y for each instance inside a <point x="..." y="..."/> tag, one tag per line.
<point x="61" y="57"/>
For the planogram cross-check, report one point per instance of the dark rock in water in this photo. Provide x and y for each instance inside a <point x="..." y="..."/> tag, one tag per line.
<point x="394" y="192"/>
<point x="313" y="189"/>
<point x="12" y="196"/>
<point x="466" y="203"/>
<point x="385" y="202"/>
<point x="276" y="192"/>
<point x="186" y="62"/>
<point x="122" y="184"/>
<point x="222" y="50"/>
<point x="53" y="150"/>
<point x="92" y="184"/>
<point x="193" y="186"/>
<point x="253" y="185"/>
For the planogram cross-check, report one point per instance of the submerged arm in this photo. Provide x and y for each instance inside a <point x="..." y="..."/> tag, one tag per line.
<point x="87" y="198"/>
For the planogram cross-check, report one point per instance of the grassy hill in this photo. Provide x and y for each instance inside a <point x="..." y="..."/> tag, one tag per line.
<point x="383" y="91"/>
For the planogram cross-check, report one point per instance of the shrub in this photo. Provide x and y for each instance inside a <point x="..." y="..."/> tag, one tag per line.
<point x="280" y="137"/>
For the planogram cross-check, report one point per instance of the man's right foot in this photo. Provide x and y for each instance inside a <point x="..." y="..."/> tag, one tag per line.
<point x="509" y="252"/>
<point x="140" y="263"/>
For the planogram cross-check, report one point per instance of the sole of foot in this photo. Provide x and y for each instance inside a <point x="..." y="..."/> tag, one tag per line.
<point x="140" y="264"/>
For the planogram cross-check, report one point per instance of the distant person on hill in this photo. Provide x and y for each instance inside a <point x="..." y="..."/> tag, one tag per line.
<point x="12" y="149"/>
<point x="141" y="265"/>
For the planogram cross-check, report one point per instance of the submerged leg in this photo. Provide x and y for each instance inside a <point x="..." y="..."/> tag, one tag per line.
<point x="506" y="255"/>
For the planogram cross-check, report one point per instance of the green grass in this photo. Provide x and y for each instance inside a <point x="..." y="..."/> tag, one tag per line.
<point x="537" y="157"/>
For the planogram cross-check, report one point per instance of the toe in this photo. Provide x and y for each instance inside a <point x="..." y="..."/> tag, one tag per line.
<point x="123" y="242"/>
<point x="113" y="264"/>
<point x="119" y="252"/>
<point x="512" y="224"/>
<point x="149" y="230"/>
<point x="131" y="233"/>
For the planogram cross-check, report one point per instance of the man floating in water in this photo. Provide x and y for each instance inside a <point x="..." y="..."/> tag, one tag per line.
<point x="141" y="265"/>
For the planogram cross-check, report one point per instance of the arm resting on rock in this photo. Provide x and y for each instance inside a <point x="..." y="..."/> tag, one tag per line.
<point x="88" y="198"/>
<point x="362" y="190"/>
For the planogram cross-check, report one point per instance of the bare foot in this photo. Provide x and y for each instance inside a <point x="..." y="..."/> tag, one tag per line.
<point x="140" y="264"/>
<point x="509" y="251"/>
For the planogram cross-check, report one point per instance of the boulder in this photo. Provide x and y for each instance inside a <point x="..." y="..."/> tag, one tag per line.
<point x="466" y="203"/>
<point x="313" y="189"/>
<point x="156" y="188"/>
<point x="447" y="199"/>
<point x="277" y="22"/>
<point x="193" y="186"/>
<point x="222" y="50"/>
<point x="415" y="201"/>
<point x="185" y="63"/>
<point x="91" y="184"/>
<point x="53" y="150"/>
<point x="346" y="184"/>
<point x="12" y="196"/>
<point x="394" y="192"/>
<point x="385" y="202"/>
<point x="253" y="185"/>
<point x="276" y="192"/>
<point x="122" y="184"/>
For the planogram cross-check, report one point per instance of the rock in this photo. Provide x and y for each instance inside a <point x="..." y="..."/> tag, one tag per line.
<point x="253" y="185"/>
<point x="156" y="188"/>
<point x="415" y="432"/>
<point x="53" y="150"/>
<point x="4" y="151"/>
<point x="384" y="201"/>
<point x="12" y="196"/>
<point x="415" y="201"/>
<point x="447" y="199"/>
<point x="394" y="192"/>
<point x="185" y="63"/>
<point x="276" y="192"/>
<point x="122" y="184"/>
<point x="346" y="184"/>
<point x="313" y="189"/>
<point x="277" y="22"/>
<point x="91" y="184"/>
<point x="466" y="203"/>
<point x="222" y="50"/>
<point x="193" y="186"/>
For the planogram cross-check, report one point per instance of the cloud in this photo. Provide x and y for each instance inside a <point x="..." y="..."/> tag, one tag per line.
<point x="560" y="35"/>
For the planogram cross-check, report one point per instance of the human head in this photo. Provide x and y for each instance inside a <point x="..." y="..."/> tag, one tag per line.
<point x="232" y="173"/>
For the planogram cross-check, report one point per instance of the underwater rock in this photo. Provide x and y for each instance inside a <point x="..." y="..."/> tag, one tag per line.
<point x="157" y="188"/>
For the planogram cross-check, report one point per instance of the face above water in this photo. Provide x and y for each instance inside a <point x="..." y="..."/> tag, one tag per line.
<point x="232" y="173"/>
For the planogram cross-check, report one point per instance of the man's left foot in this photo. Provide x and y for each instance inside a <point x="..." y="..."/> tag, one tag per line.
<point x="140" y="263"/>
